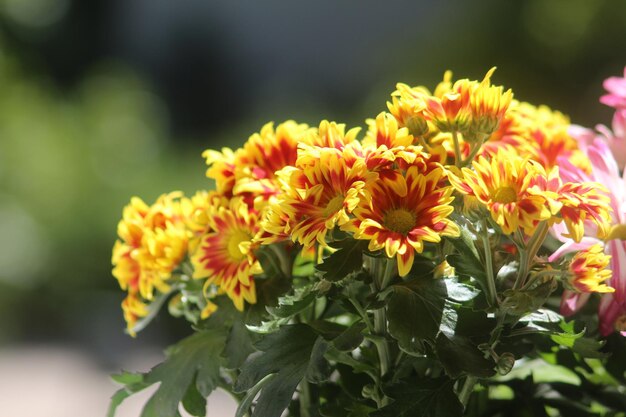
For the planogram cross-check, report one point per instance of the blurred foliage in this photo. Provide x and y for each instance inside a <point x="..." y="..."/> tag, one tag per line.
<point x="68" y="164"/>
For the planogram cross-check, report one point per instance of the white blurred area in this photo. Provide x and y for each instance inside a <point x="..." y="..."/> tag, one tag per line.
<point x="50" y="381"/>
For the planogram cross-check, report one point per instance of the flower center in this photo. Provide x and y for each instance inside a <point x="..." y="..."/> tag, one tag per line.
<point x="234" y="240"/>
<point x="399" y="220"/>
<point x="617" y="232"/>
<point x="334" y="205"/>
<point x="505" y="195"/>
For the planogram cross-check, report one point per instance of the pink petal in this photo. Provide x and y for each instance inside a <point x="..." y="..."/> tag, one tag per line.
<point x="571" y="246"/>
<point x="572" y="302"/>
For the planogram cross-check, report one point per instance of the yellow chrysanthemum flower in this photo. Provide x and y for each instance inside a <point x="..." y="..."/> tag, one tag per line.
<point x="538" y="133"/>
<point x="196" y="213"/>
<point x="224" y="255"/>
<point x="489" y="104"/>
<point x="401" y="224"/>
<point x="318" y="194"/>
<point x="469" y="107"/>
<point x="262" y="155"/>
<point x="331" y="135"/>
<point x="221" y="169"/>
<point x="152" y="243"/>
<point x="407" y="107"/>
<point x="249" y="172"/>
<point x="588" y="271"/>
<point x="134" y="309"/>
<point x="385" y="142"/>
<point x="584" y="204"/>
<point x="504" y="185"/>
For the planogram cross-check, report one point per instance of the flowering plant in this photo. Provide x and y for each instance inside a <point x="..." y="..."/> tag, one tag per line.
<point x="414" y="270"/>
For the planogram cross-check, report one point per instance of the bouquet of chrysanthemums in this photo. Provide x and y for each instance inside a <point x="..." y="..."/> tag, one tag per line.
<point x="463" y="255"/>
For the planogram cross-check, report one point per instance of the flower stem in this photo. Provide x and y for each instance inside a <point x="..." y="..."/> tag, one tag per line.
<point x="472" y="154"/>
<point x="305" y="399"/>
<point x="467" y="389"/>
<point x="380" y="327"/>
<point x="491" y="282"/>
<point x="385" y="270"/>
<point x="457" y="149"/>
<point x="527" y="254"/>
<point x="363" y="314"/>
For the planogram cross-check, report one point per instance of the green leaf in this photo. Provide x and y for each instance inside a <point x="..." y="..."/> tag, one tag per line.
<point x="318" y="369"/>
<point x="347" y="260"/>
<point x="238" y="345"/>
<point x="134" y="383"/>
<point x="270" y="262"/>
<point x="153" y="309"/>
<point x="459" y="356"/>
<point x="449" y="319"/>
<point x="460" y="292"/>
<point x="467" y="267"/>
<point x="127" y="378"/>
<point x="465" y="242"/>
<point x="194" y="402"/>
<point x="117" y="399"/>
<point x="359" y="410"/>
<point x="268" y="290"/>
<point x="584" y="346"/>
<point x="195" y="358"/>
<point x="356" y="366"/>
<point x="351" y="338"/>
<point x="415" y="310"/>
<point x="522" y="302"/>
<point x="290" y="305"/>
<point x="287" y="354"/>
<point x="244" y="405"/>
<point x="542" y="316"/>
<point x="422" y="398"/>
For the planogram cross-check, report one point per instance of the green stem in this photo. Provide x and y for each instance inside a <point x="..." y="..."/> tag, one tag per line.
<point x="457" y="149"/>
<point x="380" y="327"/>
<point x="384" y="270"/>
<point x="472" y="154"/>
<point x="305" y="399"/>
<point x="491" y="282"/>
<point x="527" y="255"/>
<point x="467" y="389"/>
<point x="363" y="314"/>
<point x="389" y="273"/>
<point x="523" y="269"/>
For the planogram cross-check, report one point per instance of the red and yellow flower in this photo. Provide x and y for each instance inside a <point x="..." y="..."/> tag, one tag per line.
<point x="469" y="107"/>
<point x="225" y="255"/>
<point x="249" y="172"/>
<point x="331" y="135"/>
<point x="539" y="133"/>
<point x="401" y="223"/>
<point x="319" y="194"/>
<point x="588" y="271"/>
<point x="504" y="185"/>
<point x="152" y="243"/>
<point x="584" y="204"/>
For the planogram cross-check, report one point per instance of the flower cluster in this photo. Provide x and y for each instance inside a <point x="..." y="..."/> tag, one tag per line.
<point x="408" y="261"/>
<point x="435" y="163"/>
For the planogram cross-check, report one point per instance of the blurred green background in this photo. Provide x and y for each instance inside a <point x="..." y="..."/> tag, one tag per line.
<point x="104" y="99"/>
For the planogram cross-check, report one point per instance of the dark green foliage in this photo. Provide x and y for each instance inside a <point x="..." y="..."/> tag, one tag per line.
<point x="347" y="260"/>
<point x="422" y="398"/>
<point x="290" y="354"/>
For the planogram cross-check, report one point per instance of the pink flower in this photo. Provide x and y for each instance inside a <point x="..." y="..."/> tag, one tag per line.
<point x="612" y="311"/>
<point x="616" y="87"/>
